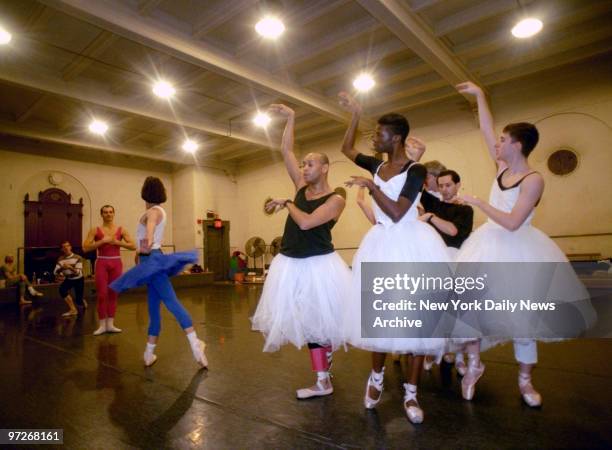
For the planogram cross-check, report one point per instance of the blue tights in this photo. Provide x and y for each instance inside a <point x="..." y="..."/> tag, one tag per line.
<point x="159" y="289"/>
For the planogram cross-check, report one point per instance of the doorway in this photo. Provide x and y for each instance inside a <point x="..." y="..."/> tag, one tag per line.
<point x="216" y="248"/>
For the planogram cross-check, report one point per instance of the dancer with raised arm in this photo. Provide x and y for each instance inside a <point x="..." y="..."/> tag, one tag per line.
<point x="508" y="235"/>
<point x="301" y="302"/>
<point x="397" y="236"/>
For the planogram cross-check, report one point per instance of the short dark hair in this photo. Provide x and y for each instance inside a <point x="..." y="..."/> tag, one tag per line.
<point x="398" y="124"/>
<point x="153" y="190"/>
<point x="524" y="132"/>
<point x="107" y="206"/>
<point x="65" y="242"/>
<point x="454" y="175"/>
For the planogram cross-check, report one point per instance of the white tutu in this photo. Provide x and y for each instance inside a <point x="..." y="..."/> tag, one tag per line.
<point x="406" y="241"/>
<point x="301" y="301"/>
<point x="527" y="244"/>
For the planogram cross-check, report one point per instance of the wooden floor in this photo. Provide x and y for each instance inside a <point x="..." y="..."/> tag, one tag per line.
<point x="55" y="374"/>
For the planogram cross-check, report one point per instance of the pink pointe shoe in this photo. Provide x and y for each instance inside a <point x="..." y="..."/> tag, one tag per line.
<point x="528" y="392"/>
<point x="468" y="383"/>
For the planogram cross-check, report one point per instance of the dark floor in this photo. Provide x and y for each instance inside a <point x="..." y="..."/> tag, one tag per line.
<point x="55" y="374"/>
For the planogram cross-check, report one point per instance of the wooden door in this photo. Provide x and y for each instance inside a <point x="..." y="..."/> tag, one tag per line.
<point x="216" y="248"/>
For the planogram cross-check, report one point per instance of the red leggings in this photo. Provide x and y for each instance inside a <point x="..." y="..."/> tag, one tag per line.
<point x="107" y="271"/>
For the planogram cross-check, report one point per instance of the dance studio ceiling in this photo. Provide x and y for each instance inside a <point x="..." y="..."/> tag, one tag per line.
<point x="72" y="60"/>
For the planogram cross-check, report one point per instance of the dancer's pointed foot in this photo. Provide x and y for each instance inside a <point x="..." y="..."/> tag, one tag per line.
<point x="528" y="392"/>
<point x="468" y="383"/>
<point x="374" y="389"/>
<point x="322" y="387"/>
<point x="199" y="355"/>
<point x="411" y="405"/>
<point x="149" y="359"/>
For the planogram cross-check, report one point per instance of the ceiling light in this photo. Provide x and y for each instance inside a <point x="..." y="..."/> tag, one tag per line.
<point x="261" y="120"/>
<point x="527" y="28"/>
<point x="270" y="27"/>
<point x="163" y="89"/>
<point x="190" y="146"/>
<point x="98" y="127"/>
<point x="5" y="36"/>
<point x="364" y="82"/>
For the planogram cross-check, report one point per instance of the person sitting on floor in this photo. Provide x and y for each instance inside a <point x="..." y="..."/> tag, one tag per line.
<point x="8" y="272"/>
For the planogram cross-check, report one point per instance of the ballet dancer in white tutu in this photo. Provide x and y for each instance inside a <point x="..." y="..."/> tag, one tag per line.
<point x="301" y="302"/>
<point x="397" y="236"/>
<point x="508" y="236"/>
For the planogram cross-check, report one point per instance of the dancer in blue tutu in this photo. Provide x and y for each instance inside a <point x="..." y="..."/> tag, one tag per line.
<point x="154" y="270"/>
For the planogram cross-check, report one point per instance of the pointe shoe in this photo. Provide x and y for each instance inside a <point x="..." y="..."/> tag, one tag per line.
<point x="198" y="354"/>
<point x="318" y="390"/>
<point x="468" y="383"/>
<point x="461" y="367"/>
<point x="428" y="363"/>
<point x="368" y="401"/>
<point x="23" y="301"/>
<point x="413" y="412"/>
<point x="528" y="392"/>
<point x="149" y="359"/>
<point x="70" y="313"/>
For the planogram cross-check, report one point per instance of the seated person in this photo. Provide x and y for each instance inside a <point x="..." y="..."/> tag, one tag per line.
<point x="69" y="271"/>
<point x="237" y="264"/>
<point x="8" y="272"/>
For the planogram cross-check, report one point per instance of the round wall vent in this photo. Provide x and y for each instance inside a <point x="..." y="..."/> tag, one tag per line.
<point x="563" y="162"/>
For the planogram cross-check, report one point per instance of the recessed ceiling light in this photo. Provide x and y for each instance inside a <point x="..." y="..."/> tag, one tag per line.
<point x="163" y="89"/>
<point x="5" y="36"/>
<point x="261" y="120"/>
<point x="527" y="28"/>
<point x="270" y="27"/>
<point x="364" y="82"/>
<point x="190" y="146"/>
<point x="98" y="127"/>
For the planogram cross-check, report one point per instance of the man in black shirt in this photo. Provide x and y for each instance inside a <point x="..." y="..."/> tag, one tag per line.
<point x="451" y="219"/>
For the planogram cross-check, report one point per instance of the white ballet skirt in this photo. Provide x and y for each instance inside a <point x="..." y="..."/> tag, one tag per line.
<point x="409" y="240"/>
<point x="493" y="243"/>
<point x="302" y="301"/>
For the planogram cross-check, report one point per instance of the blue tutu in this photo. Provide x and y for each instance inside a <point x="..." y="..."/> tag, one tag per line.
<point x="153" y="265"/>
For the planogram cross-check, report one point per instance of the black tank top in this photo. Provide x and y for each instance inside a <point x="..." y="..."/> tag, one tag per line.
<point x="298" y="243"/>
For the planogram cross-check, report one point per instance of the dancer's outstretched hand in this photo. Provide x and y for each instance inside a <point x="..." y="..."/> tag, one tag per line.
<point x="283" y="110"/>
<point x="348" y="102"/>
<point x="276" y="205"/>
<point x="360" y="181"/>
<point x="469" y="88"/>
